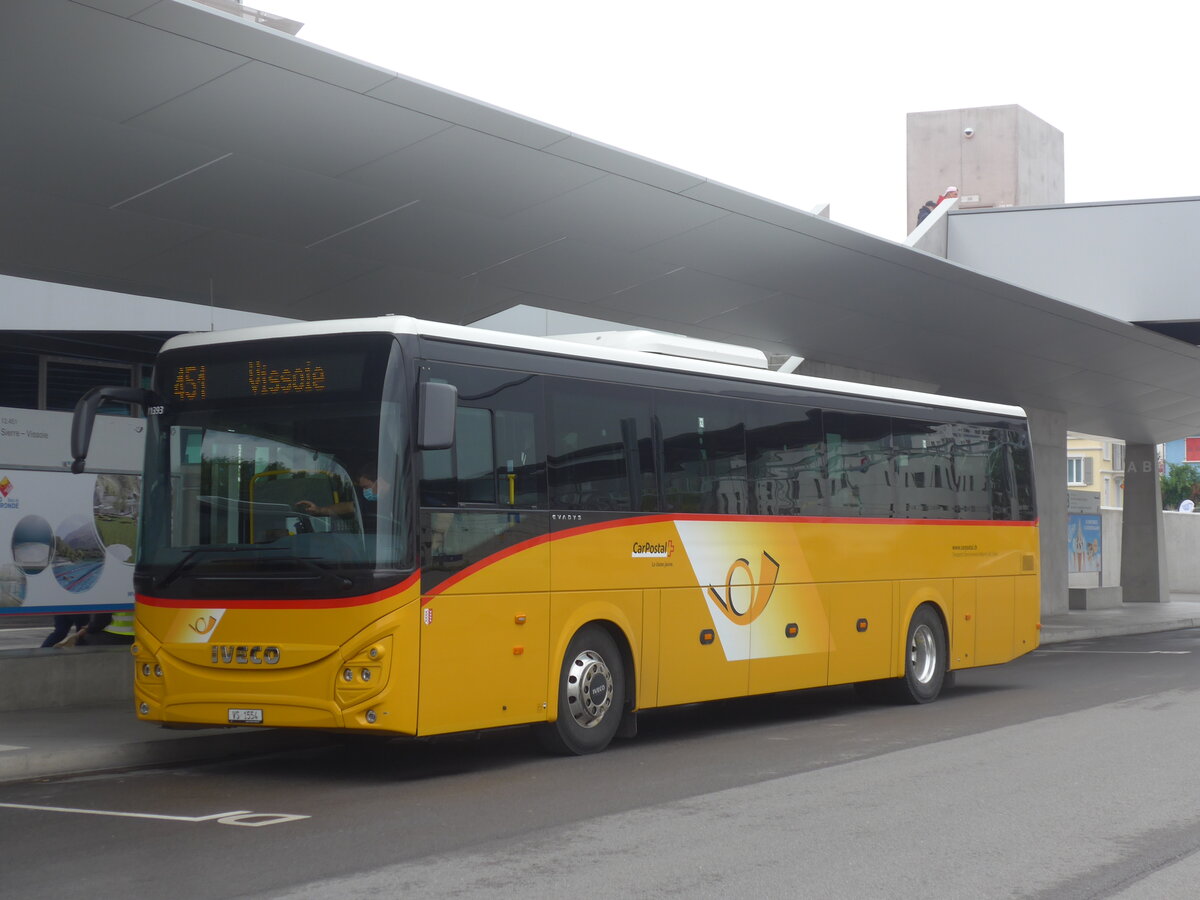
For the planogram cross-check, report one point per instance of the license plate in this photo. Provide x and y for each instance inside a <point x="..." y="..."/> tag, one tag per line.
<point x="246" y="716"/>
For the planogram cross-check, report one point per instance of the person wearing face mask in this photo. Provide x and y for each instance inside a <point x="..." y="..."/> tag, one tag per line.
<point x="368" y="491"/>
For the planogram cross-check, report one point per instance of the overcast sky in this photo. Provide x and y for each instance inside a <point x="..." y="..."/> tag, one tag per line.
<point x="805" y="102"/>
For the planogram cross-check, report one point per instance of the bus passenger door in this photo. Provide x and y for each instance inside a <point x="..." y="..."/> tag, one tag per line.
<point x="485" y="563"/>
<point x="485" y="620"/>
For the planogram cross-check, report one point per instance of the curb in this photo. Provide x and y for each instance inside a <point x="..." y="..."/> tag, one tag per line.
<point x="1064" y="633"/>
<point x="33" y="763"/>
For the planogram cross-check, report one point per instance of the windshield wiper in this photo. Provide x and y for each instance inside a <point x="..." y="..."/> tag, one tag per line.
<point x="188" y="560"/>
<point x="323" y="570"/>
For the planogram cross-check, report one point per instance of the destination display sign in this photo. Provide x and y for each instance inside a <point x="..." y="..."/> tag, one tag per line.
<point x="259" y="371"/>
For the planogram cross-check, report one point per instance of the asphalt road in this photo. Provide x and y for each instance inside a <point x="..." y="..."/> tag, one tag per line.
<point x="1070" y="773"/>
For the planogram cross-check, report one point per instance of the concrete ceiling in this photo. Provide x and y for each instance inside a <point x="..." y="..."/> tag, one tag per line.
<point x="164" y="149"/>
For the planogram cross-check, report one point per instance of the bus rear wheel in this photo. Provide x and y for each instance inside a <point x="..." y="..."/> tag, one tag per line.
<point x="925" y="660"/>
<point x="591" y="695"/>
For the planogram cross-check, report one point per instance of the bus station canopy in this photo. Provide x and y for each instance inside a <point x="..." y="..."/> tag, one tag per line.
<point x="169" y="150"/>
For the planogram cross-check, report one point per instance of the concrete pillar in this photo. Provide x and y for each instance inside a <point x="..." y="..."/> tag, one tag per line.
<point x="1048" y="431"/>
<point x="1143" y="560"/>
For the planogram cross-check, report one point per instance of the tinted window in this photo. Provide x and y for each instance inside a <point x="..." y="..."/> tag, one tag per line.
<point x="860" y="466"/>
<point x="925" y="470"/>
<point x="496" y="459"/>
<point x="1012" y="475"/>
<point x="786" y="456"/>
<point x="971" y="458"/>
<point x="601" y="447"/>
<point x="703" y="454"/>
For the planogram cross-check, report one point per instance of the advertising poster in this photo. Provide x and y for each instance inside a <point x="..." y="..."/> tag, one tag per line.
<point x="66" y="541"/>
<point x="1083" y="543"/>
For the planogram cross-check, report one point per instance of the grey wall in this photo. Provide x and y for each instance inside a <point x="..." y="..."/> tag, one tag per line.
<point x="1048" y="430"/>
<point x="1135" y="261"/>
<point x="31" y="305"/>
<point x="1012" y="158"/>
<point x="1181" y="533"/>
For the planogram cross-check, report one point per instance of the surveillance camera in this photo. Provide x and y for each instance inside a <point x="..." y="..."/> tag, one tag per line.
<point x="968" y="132"/>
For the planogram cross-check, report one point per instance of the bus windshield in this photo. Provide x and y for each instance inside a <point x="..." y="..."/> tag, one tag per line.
<point x="277" y="471"/>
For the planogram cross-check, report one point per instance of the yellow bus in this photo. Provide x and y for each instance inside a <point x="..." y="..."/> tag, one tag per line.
<point x="416" y="528"/>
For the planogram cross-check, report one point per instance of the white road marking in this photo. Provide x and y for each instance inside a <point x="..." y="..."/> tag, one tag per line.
<point x="242" y="817"/>
<point x="6" y="747"/>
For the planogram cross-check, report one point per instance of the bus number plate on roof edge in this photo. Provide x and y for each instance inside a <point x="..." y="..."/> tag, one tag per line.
<point x="245" y="716"/>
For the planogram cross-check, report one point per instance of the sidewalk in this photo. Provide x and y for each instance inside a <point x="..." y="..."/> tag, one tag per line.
<point x="104" y="737"/>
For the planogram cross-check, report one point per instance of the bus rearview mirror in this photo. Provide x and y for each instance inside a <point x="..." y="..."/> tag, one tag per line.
<point x="85" y="416"/>
<point x="438" y="408"/>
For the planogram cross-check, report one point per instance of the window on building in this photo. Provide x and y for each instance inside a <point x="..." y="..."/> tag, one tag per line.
<point x="38" y="381"/>
<point x="66" y="380"/>
<point x="19" y="380"/>
<point x="1079" y="470"/>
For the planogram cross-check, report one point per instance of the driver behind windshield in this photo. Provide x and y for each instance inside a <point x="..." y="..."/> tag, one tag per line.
<point x="367" y="482"/>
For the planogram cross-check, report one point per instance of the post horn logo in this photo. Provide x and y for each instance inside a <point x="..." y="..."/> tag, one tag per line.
<point x="759" y="592"/>
<point x="203" y="625"/>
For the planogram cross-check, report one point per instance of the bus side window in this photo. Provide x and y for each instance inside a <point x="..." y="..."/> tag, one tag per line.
<point x="925" y="471"/>
<point x="860" y="456"/>
<point x="601" y="454"/>
<point x="785" y="452"/>
<point x="496" y="459"/>
<point x="475" y="455"/>
<point x="972" y="464"/>
<point x="1022" y="472"/>
<point x="704" y="454"/>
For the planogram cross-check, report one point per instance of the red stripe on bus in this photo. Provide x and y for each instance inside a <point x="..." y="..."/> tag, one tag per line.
<point x="488" y="561"/>
<point x="692" y="517"/>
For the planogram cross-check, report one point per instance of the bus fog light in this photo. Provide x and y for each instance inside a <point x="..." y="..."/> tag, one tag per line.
<point x="366" y="674"/>
<point x="157" y="671"/>
<point x="146" y="670"/>
<point x="347" y="675"/>
<point x="144" y="709"/>
<point x="370" y="717"/>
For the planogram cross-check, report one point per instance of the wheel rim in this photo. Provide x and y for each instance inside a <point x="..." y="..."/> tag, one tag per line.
<point x="923" y="654"/>
<point x="589" y="688"/>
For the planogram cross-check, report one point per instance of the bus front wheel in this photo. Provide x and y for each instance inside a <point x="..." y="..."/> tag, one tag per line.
<point x="591" y="695"/>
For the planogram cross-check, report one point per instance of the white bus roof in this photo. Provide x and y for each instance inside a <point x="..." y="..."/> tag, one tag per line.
<point x="582" y="350"/>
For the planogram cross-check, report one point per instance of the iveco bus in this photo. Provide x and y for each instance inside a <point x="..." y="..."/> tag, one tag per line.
<point x="415" y="528"/>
